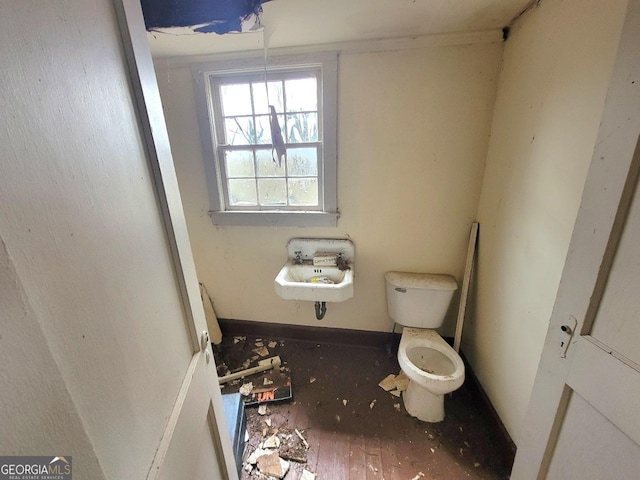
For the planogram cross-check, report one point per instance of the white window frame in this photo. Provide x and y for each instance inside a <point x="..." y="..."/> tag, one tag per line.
<point x="222" y="214"/>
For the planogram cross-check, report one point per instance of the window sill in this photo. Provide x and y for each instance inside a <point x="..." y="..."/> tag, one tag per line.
<point x="275" y="219"/>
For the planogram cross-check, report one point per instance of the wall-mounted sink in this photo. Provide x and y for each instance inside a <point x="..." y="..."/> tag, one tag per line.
<point x="300" y="279"/>
<point x="313" y="283"/>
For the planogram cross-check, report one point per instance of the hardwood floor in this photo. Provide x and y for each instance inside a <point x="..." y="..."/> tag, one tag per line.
<point x="356" y="430"/>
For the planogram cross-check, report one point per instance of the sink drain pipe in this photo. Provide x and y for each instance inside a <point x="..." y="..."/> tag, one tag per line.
<point x="321" y="310"/>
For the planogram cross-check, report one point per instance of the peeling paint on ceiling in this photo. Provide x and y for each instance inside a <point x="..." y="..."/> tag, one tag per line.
<point x="203" y="16"/>
<point x="295" y="23"/>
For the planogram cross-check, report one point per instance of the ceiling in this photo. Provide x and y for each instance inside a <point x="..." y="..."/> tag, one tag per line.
<point x="289" y="23"/>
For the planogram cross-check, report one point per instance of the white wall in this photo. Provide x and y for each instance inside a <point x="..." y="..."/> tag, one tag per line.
<point x="92" y="343"/>
<point x="413" y="129"/>
<point x="556" y="67"/>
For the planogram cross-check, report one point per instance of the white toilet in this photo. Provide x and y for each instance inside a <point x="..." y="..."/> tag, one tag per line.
<point x="419" y="302"/>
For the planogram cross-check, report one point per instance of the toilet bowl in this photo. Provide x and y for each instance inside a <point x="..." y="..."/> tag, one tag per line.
<point x="419" y="302"/>
<point x="433" y="369"/>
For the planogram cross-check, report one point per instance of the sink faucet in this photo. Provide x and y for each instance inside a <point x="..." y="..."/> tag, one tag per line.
<point x="297" y="260"/>
<point x="341" y="262"/>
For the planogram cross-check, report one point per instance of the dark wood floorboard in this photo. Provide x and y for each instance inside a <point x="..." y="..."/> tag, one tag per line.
<point x="372" y="458"/>
<point x="350" y="436"/>
<point x="357" y="458"/>
<point x="390" y="463"/>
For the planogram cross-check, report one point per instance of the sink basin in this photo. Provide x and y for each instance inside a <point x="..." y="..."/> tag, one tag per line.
<point x="314" y="283"/>
<point x="311" y="272"/>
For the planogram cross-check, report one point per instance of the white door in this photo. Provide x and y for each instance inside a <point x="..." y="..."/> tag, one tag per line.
<point x="583" y="419"/>
<point x="195" y="444"/>
<point x="102" y="352"/>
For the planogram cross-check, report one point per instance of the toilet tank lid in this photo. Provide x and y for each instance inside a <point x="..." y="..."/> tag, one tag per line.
<point x="432" y="281"/>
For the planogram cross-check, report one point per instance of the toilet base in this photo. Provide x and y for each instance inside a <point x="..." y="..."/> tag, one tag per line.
<point x="422" y="404"/>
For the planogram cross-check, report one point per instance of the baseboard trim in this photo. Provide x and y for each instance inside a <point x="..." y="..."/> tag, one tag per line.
<point x="334" y="336"/>
<point x="361" y="338"/>
<point x="507" y="446"/>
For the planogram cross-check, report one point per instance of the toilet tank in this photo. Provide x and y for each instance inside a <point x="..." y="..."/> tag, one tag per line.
<point x="419" y="300"/>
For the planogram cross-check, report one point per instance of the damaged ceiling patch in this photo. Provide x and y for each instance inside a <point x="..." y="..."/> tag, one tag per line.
<point x="202" y="16"/>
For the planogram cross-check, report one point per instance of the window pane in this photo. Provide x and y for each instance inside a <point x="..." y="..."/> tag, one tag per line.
<point x="276" y="96"/>
<point x="272" y="191"/>
<point x="242" y="192"/>
<point x="239" y="163"/>
<point x="303" y="191"/>
<point x="302" y="162"/>
<point x="263" y="130"/>
<point x="236" y="99"/>
<point x="302" y="127"/>
<point x="302" y="95"/>
<point x="260" y="103"/>
<point x="263" y="124"/>
<point x="239" y="131"/>
<point x="267" y="167"/>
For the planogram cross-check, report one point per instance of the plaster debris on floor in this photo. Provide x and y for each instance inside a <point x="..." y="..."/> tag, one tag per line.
<point x="341" y="420"/>
<point x="271" y="442"/>
<point x="246" y="389"/>
<point x="277" y="448"/>
<point x="262" y="351"/>
<point x="271" y="446"/>
<point x="245" y="369"/>
<point x="307" y="475"/>
<point x="395" y="384"/>
<point x="304" y="442"/>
